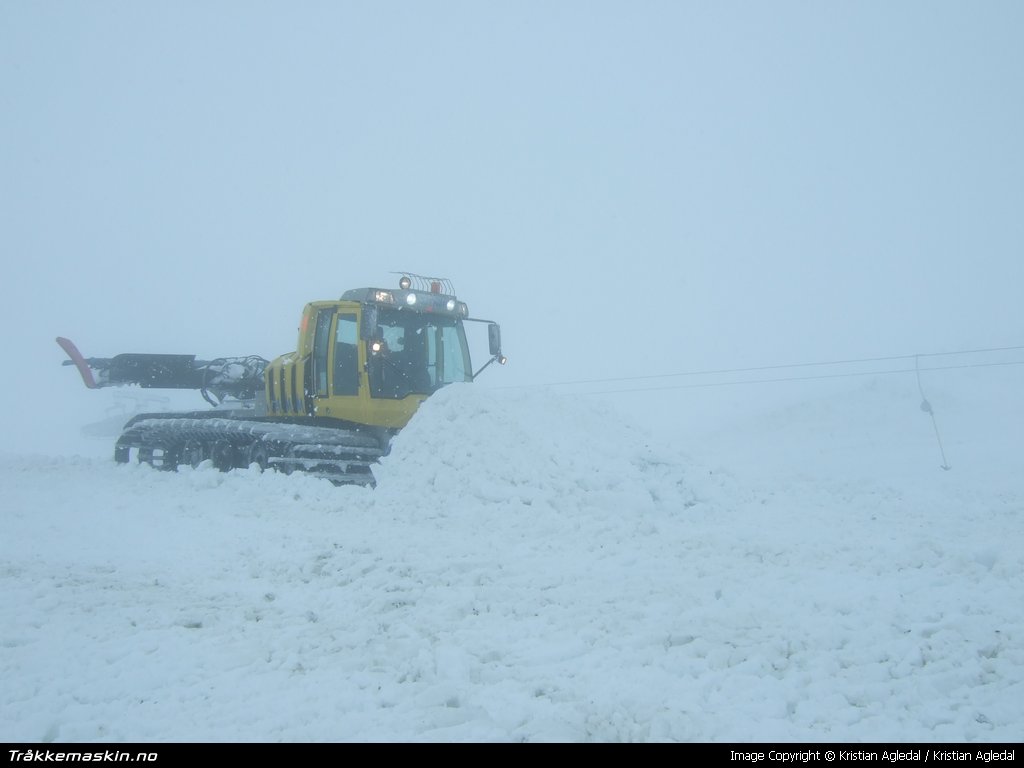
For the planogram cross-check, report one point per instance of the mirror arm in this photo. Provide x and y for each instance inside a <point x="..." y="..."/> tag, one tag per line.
<point x="496" y="358"/>
<point x="484" y="367"/>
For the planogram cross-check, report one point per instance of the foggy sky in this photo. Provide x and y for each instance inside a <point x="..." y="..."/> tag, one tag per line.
<point x="629" y="188"/>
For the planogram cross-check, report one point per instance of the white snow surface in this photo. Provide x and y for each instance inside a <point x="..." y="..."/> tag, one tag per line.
<point x="530" y="567"/>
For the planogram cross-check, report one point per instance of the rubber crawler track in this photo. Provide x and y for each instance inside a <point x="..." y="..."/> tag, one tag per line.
<point x="342" y="455"/>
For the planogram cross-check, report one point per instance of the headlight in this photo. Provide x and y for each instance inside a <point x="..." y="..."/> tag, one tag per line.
<point x="384" y="297"/>
<point x="410" y="299"/>
<point x="450" y="306"/>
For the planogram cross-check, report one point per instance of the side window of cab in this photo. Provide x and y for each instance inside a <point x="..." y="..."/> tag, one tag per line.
<point x="346" y="356"/>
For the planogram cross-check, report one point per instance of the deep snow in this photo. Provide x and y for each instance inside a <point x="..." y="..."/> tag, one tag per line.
<point x="530" y="567"/>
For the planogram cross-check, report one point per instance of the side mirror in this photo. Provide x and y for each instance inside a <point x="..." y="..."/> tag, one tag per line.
<point x="494" y="339"/>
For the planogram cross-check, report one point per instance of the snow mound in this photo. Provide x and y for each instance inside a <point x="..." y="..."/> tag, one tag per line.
<point x="533" y="447"/>
<point x="527" y="569"/>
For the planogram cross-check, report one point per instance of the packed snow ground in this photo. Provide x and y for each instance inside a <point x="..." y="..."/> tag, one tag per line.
<point x="532" y="568"/>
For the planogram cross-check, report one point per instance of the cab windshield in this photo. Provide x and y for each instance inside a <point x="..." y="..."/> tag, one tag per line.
<point x="419" y="355"/>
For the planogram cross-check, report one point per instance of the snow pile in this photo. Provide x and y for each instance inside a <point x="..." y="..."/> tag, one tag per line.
<point x="528" y="568"/>
<point x="471" y="445"/>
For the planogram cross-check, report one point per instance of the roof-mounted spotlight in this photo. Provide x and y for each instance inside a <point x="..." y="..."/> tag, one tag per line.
<point x="405" y="282"/>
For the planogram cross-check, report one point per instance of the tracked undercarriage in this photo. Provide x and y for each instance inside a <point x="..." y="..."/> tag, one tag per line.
<point x="167" y="440"/>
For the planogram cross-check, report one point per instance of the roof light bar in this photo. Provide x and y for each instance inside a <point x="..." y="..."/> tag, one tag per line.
<point x="410" y="280"/>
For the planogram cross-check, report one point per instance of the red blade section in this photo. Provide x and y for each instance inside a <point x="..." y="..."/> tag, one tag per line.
<point x="76" y="357"/>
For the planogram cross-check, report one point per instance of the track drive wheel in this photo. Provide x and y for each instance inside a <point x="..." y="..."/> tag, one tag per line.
<point x="192" y="453"/>
<point x="257" y="453"/>
<point x="224" y="455"/>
